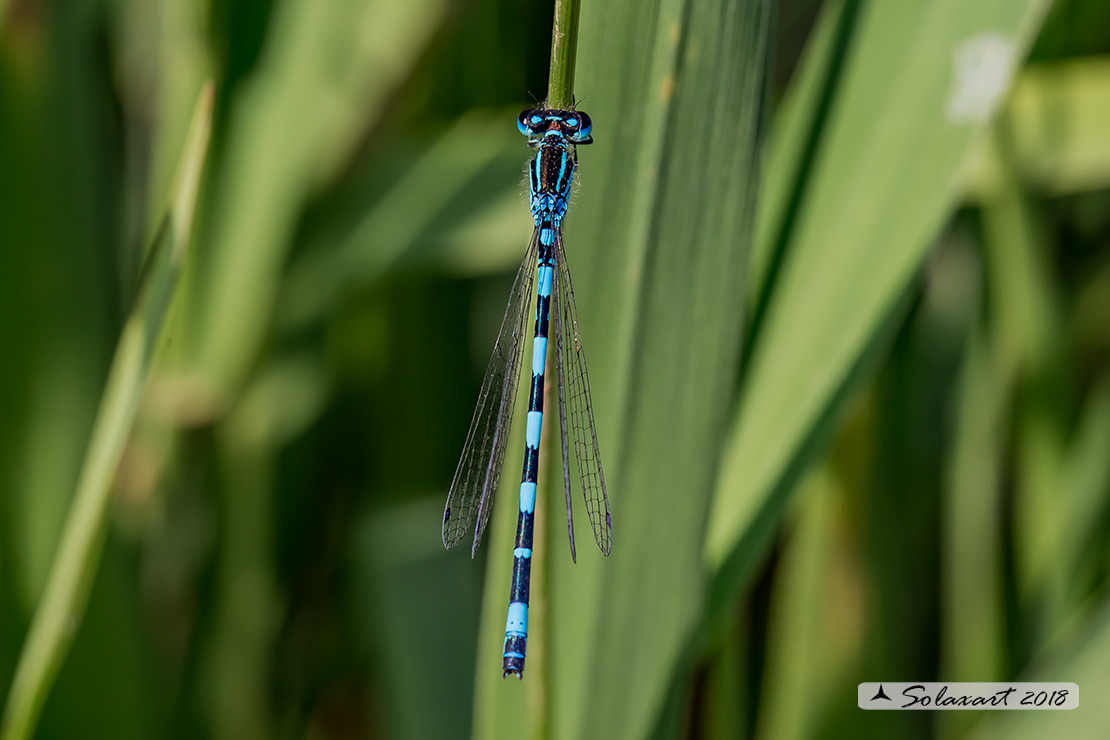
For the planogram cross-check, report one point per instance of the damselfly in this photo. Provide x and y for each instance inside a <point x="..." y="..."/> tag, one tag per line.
<point x="556" y="135"/>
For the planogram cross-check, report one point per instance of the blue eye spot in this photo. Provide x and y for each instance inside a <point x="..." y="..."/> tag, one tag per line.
<point x="572" y="122"/>
<point x="536" y="120"/>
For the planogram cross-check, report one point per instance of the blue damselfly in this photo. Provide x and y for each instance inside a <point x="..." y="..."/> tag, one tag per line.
<point x="555" y="134"/>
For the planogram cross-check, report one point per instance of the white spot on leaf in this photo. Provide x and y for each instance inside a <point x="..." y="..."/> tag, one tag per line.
<point x="982" y="68"/>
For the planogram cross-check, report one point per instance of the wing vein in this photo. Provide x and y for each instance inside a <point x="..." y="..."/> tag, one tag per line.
<point x="557" y="318"/>
<point x="479" y="470"/>
<point x="582" y="426"/>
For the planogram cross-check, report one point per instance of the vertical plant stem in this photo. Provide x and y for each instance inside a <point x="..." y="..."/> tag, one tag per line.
<point x="75" y="564"/>
<point x="564" y="49"/>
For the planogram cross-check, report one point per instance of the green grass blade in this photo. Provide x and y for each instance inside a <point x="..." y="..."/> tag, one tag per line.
<point x="1025" y="313"/>
<point x="908" y="107"/>
<point x="324" y="78"/>
<point x="1081" y="657"/>
<point x="800" y="654"/>
<point x="1085" y="476"/>
<point x="247" y="607"/>
<point x="404" y="578"/>
<point x="657" y="243"/>
<point x="76" y="560"/>
<point x="973" y="644"/>
<point x="792" y="143"/>
<point x="727" y="712"/>
<point x="428" y="193"/>
<point x="668" y="238"/>
<point x="1023" y="302"/>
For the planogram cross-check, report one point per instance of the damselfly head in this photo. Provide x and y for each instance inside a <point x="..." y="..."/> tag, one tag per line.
<point x="575" y="126"/>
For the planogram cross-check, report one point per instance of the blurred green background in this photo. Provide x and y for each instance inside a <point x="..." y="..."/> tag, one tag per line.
<point x="843" y="270"/>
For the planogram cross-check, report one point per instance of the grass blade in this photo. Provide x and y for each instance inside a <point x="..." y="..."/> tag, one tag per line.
<point x="972" y="614"/>
<point x="1079" y="657"/>
<point x="75" y="563"/>
<point x="324" y="79"/>
<point x="665" y="312"/>
<point x="888" y="171"/>
<point x="668" y="237"/>
<point x="658" y="248"/>
<point x="800" y="662"/>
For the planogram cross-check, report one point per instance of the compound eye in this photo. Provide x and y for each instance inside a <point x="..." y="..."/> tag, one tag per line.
<point x="527" y="120"/>
<point x="584" y="125"/>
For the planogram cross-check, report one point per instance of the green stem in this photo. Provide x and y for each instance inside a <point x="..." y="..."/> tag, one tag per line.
<point x="62" y="606"/>
<point x="564" y="49"/>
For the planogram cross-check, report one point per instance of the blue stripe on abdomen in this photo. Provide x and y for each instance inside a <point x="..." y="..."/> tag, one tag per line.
<point x="544" y="276"/>
<point x="532" y="435"/>
<point x="539" y="355"/>
<point x="527" y="496"/>
<point x="517" y="621"/>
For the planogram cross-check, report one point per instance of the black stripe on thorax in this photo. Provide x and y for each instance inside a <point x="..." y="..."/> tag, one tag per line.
<point x="555" y="168"/>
